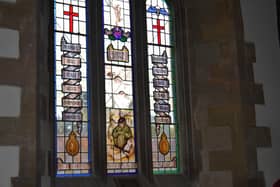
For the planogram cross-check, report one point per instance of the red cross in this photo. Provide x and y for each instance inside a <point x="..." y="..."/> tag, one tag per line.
<point x="159" y="28"/>
<point x="71" y="14"/>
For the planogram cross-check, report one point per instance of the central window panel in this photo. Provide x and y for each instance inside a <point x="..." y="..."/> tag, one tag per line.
<point x="120" y="125"/>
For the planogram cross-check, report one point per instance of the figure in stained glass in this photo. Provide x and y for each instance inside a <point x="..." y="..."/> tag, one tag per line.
<point x="120" y="138"/>
<point x="121" y="134"/>
<point x="117" y="32"/>
<point x="117" y="11"/>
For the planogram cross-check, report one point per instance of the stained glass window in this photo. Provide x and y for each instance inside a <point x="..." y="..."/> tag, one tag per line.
<point x="71" y="93"/>
<point x="71" y="97"/>
<point x="120" y="133"/>
<point x="162" y="87"/>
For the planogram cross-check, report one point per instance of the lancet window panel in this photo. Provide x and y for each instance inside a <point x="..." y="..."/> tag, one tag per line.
<point x="162" y="87"/>
<point x="73" y="156"/>
<point x="120" y="125"/>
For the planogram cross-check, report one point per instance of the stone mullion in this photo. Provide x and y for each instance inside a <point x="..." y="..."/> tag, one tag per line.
<point x="182" y="88"/>
<point x="141" y="92"/>
<point x="45" y="119"/>
<point x="96" y="76"/>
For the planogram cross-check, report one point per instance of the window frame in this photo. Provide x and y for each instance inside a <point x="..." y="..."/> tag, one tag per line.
<point x="278" y="18"/>
<point x="140" y="58"/>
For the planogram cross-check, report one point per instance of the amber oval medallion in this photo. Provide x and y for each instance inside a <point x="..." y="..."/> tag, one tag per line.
<point x="164" y="146"/>
<point x="72" y="144"/>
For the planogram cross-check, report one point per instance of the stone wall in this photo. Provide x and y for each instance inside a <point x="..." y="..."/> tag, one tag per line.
<point x="224" y="95"/>
<point x="18" y="93"/>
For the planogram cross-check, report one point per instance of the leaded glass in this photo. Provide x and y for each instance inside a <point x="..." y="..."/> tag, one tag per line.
<point x="71" y="92"/>
<point x="162" y="87"/>
<point x="120" y="133"/>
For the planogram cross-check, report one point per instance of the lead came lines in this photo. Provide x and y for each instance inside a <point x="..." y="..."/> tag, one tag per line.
<point x="70" y="43"/>
<point x="161" y="93"/>
<point x="158" y="36"/>
<point x="71" y="76"/>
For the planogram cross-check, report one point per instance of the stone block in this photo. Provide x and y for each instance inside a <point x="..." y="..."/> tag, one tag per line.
<point x="217" y="138"/>
<point x="249" y="111"/>
<point x="9" y="43"/>
<point x="127" y="182"/>
<point x="9" y="164"/>
<point x="83" y="182"/>
<point x="259" y="94"/>
<point x="222" y="92"/>
<point x="10" y="101"/>
<point x="163" y="181"/>
<point x="45" y="181"/>
<point x="221" y="160"/>
<point x="222" y="115"/>
<point x="220" y="31"/>
<point x="207" y="53"/>
<point x="23" y="182"/>
<point x="222" y="71"/>
<point x="253" y="93"/>
<point x="250" y="52"/>
<point x="261" y="136"/>
<point x="200" y="113"/>
<point x="257" y="181"/>
<point x="216" y="179"/>
<point x="8" y="1"/>
<point x="227" y="51"/>
<point x="204" y="160"/>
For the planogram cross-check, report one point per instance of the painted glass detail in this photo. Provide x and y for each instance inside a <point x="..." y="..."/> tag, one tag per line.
<point x="71" y="95"/>
<point x="162" y="88"/>
<point x="120" y="133"/>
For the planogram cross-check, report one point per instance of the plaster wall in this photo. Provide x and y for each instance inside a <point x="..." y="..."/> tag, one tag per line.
<point x="260" y="27"/>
